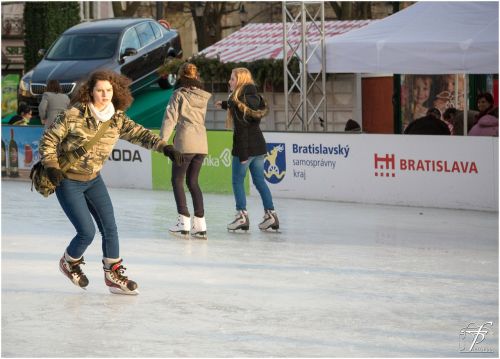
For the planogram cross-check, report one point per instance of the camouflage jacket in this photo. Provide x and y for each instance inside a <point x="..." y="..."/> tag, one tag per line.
<point x="76" y="126"/>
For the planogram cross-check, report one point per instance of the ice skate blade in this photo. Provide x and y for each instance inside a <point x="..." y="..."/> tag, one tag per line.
<point x="179" y="235"/>
<point x="115" y="290"/>
<point x="199" y="237"/>
<point x="238" y="231"/>
<point x="270" y="230"/>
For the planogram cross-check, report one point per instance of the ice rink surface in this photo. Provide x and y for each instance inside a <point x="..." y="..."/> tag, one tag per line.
<point x="341" y="280"/>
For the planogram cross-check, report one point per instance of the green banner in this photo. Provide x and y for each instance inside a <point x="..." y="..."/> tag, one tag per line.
<point x="215" y="175"/>
<point x="9" y="94"/>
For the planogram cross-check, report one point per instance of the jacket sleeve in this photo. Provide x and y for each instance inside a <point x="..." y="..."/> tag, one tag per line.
<point x="51" y="139"/>
<point x="42" y="107"/>
<point x="224" y="105"/>
<point x="138" y="135"/>
<point x="170" y="117"/>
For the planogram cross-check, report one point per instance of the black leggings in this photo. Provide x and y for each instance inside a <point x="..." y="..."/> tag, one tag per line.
<point x="191" y="167"/>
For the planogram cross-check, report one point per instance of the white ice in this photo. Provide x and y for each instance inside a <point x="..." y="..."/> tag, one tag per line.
<point x="341" y="280"/>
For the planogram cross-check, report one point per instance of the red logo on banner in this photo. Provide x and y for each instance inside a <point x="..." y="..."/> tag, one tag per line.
<point x="385" y="166"/>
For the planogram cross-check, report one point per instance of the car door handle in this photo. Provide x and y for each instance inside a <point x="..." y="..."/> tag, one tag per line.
<point x="145" y="56"/>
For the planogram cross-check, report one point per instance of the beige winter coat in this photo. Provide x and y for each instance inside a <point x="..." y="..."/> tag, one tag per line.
<point x="51" y="105"/>
<point x="186" y="110"/>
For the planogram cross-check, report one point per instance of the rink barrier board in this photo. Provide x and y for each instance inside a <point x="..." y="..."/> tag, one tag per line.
<point x="427" y="171"/>
<point x="131" y="166"/>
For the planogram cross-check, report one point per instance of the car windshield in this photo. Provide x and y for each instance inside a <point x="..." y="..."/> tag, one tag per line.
<point x="83" y="47"/>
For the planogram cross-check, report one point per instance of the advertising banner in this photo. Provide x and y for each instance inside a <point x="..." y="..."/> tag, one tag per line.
<point x="128" y="166"/>
<point x="429" y="171"/>
<point x="9" y="94"/>
<point x="19" y="150"/>
<point x="215" y="175"/>
<point x="422" y="92"/>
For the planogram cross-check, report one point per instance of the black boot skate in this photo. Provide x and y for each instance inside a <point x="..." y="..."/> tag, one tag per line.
<point x="72" y="270"/>
<point x="115" y="280"/>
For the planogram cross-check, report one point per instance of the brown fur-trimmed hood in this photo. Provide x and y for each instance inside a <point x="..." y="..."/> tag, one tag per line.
<point x="242" y="103"/>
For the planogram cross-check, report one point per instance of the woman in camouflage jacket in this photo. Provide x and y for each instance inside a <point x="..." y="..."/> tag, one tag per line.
<point x="80" y="190"/>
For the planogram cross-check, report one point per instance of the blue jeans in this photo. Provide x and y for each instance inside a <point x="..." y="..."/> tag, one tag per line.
<point x="239" y="170"/>
<point x="81" y="201"/>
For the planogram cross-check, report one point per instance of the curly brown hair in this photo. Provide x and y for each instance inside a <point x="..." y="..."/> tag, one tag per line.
<point x="122" y="98"/>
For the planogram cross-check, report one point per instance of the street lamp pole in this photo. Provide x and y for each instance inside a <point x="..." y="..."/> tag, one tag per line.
<point x="243" y="15"/>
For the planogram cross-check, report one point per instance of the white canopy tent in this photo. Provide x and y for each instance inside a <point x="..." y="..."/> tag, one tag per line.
<point x="425" y="38"/>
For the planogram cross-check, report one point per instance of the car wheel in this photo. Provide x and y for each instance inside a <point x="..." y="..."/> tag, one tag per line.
<point x="166" y="83"/>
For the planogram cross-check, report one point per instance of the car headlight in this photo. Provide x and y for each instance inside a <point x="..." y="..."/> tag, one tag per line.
<point x="24" y="84"/>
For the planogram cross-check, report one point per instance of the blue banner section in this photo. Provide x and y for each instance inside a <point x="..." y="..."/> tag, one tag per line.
<point x="19" y="149"/>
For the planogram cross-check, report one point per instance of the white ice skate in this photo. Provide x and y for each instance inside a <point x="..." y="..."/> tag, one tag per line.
<point x="199" y="229"/>
<point x="182" y="227"/>
<point x="240" y="222"/>
<point x="270" y="221"/>
<point x="115" y="280"/>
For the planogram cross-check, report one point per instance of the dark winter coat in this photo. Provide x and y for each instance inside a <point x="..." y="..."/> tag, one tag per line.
<point x="247" y="112"/>
<point x="427" y="125"/>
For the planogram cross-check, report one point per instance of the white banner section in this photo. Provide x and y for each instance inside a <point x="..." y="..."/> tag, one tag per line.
<point x="128" y="166"/>
<point x="428" y="171"/>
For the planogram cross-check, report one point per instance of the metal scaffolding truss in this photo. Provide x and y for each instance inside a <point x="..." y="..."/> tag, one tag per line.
<point x="305" y="93"/>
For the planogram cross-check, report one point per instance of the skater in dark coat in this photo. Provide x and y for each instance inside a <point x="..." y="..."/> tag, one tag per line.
<point x="245" y="109"/>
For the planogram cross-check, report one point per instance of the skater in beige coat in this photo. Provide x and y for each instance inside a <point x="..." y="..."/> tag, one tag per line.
<point x="186" y="112"/>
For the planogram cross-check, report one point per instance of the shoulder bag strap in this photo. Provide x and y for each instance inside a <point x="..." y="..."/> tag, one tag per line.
<point x="72" y="156"/>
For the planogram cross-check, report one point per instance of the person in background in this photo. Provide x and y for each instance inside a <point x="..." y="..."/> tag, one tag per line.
<point x="456" y="119"/>
<point x="444" y="97"/>
<point x="451" y="117"/>
<point x="433" y="111"/>
<point x="245" y="109"/>
<point x="352" y="126"/>
<point x="53" y="102"/>
<point x="186" y="111"/>
<point x="430" y="124"/>
<point x="486" y="106"/>
<point x="23" y="116"/>
<point x="421" y="93"/>
<point x="81" y="191"/>
<point x="486" y="126"/>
